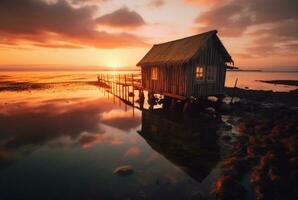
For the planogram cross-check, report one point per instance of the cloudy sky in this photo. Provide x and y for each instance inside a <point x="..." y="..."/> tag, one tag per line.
<point x="116" y="33"/>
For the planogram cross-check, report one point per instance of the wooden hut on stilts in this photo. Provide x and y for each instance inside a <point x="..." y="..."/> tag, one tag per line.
<point x="190" y="67"/>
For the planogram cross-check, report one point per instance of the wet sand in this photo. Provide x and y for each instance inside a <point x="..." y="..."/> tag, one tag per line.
<point x="28" y="86"/>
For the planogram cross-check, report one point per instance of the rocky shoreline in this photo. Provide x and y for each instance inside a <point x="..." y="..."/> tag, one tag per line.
<point x="289" y="99"/>
<point x="263" y="160"/>
<point x="281" y="82"/>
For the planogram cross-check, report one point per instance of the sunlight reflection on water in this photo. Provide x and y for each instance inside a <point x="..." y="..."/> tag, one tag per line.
<point x="65" y="141"/>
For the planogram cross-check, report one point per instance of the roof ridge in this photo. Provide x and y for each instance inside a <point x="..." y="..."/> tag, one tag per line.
<point x="208" y="32"/>
<point x="181" y="50"/>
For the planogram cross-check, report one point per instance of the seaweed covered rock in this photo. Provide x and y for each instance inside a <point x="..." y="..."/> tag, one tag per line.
<point x="228" y="188"/>
<point x="266" y="151"/>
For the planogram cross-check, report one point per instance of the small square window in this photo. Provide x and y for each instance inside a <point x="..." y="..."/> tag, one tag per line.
<point x="154" y="73"/>
<point x="200" y="73"/>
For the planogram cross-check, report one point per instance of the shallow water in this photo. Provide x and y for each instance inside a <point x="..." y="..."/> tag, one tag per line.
<point x="65" y="141"/>
<point x="250" y="80"/>
<point x="245" y="79"/>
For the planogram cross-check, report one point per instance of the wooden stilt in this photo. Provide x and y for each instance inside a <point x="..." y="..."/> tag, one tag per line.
<point x="125" y="87"/>
<point x="118" y="85"/>
<point x="122" y="87"/>
<point x="133" y="96"/>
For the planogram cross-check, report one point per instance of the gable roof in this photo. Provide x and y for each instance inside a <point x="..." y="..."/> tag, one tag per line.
<point x="181" y="51"/>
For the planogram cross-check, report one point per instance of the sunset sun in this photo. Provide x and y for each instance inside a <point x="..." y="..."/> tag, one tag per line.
<point x="114" y="63"/>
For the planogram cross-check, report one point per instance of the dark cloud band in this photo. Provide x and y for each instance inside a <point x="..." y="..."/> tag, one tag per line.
<point x="57" y="24"/>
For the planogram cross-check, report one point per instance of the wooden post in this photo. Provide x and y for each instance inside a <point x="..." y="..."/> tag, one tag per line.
<point x="122" y="91"/>
<point x="112" y="84"/>
<point x="141" y="99"/>
<point x="125" y="87"/>
<point x="114" y="88"/>
<point x="132" y="83"/>
<point x="125" y="92"/>
<point x="119" y="92"/>
<point x="133" y="96"/>
<point x="234" y="90"/>
<point x="116" y="92"/>
<point x="173" y="104"/>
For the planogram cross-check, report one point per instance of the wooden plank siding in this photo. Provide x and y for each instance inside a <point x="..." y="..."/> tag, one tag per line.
<point x="170" y="79"/>
<point x="180" y="79"/>
<point x="209" y="55"/>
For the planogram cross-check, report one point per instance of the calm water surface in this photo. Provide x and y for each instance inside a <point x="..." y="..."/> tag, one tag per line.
<point x="64" y="142"/>
<point x="250" y="80"/>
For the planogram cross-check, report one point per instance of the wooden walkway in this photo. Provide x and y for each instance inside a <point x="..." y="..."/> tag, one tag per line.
<point x="124" y="87"/>
<point x="123" y="83"/>
<point x="133" y="79"/>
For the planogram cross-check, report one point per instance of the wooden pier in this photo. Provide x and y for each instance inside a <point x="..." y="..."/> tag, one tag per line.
<point x="124" y="86"/>
<point x="127" y="88"/>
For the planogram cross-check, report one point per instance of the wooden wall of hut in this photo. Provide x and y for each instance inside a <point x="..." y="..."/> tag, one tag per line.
<point x="170" y="79"/>
<point x="180" y="79"/>
<point x="209" y="55"/>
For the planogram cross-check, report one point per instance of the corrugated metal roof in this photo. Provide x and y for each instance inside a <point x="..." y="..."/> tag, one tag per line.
<point x="179" y="51"/>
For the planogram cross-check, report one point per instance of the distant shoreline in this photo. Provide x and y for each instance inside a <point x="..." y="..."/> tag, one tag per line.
<point x="259" y="70"/>
<point x="245" y="70"/>
<point x="127" y="69"/>
<point x="281" y="82"/>
<point x="66" y="70"/>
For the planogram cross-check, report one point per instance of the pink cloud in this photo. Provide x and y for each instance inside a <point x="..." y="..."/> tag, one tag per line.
<point x="59" y="24"/>
<point x="271" y="23"/>
<point x="203" y="2"/>
<point x="122" y="17"/>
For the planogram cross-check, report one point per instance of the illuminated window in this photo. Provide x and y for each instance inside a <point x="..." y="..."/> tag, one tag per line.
<point x="211" y="73"/>
<point x="154" y="73"/>
<point x="200" y="73"/>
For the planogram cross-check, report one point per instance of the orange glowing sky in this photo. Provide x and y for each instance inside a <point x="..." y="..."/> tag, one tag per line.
<point x="117" y="33"/>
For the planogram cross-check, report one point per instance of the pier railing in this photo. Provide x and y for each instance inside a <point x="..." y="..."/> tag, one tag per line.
<point x="124" y="86"/>
<point x="125" y="80"/>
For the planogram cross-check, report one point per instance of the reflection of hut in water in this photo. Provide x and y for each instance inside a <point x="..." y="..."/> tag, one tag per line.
<point x="188" y="143"/>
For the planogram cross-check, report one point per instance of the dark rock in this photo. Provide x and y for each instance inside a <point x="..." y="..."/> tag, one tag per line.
<point x="230" y="121"/>
<point x="227" y="127"/>
<point x="226" y="137"/>
<point x="210" y="110"/>
<point x="124" y="170"/>
<point x="225" y="107"/>
<point x="227" y="188"/>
